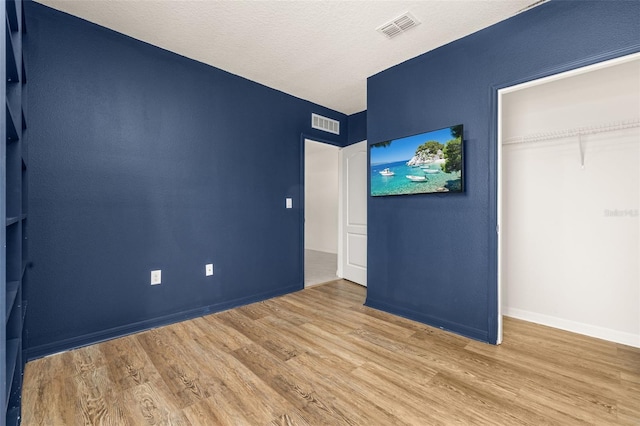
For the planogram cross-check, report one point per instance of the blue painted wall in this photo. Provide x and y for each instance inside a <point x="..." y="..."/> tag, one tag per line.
<point x="433" y="257"/>
<point x="141" y="159"/>
<point x="357" y="131"/>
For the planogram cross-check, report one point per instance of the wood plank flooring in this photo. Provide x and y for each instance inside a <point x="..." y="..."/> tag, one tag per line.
<point x="318" y="357"/>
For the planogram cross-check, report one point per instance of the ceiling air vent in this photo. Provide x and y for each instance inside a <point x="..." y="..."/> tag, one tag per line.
<point x="323" y="123"/>
<point x="398" y="25"/>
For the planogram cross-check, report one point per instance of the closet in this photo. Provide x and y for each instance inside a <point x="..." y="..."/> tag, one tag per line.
<point x="570" y="190"/>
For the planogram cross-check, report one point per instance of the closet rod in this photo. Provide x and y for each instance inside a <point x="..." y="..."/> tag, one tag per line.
<point x="561" y="134"/>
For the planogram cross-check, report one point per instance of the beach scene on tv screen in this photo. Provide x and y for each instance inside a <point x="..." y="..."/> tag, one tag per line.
<point x="429" y="162"/>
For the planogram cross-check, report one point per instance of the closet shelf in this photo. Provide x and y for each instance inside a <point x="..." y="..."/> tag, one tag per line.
<point x="569" y="133"/>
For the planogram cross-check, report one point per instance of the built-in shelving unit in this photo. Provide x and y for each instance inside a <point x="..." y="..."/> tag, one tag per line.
<point x="13" y="211"/>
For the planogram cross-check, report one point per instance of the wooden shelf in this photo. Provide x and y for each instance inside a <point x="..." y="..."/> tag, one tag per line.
<point x="12" y="128"/>
<point x="12" y="15"/>
<point x="14" y="160"/>
<point x="13" y="416"/>
<point x="12" y="356"/>
<point x="11" y="63"/>
<point x="12" y="291"/>
<point x="15" y="219"/>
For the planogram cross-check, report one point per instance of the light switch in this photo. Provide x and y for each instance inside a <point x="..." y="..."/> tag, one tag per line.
<point x="289" y="203"/>
<point x="156" y="277"/>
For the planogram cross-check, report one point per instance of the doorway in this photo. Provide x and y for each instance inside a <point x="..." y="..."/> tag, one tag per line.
<point x="568" y="194"/>
<point x="335" y="213"/>
<point x="321" y="212"/>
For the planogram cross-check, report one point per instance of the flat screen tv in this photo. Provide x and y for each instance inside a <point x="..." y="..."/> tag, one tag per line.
<point x="426" y="163"/>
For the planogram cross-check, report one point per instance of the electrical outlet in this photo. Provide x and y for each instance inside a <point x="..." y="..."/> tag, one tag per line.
<point x="156" y="277"/>
<point x="208" y="269"/>
<point x="289" y="203"/>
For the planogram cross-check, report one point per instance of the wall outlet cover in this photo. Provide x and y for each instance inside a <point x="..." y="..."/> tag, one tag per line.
<point x="208" y="269"/>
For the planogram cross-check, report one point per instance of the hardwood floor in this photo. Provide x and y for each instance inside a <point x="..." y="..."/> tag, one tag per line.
<point x="318" y="357"/>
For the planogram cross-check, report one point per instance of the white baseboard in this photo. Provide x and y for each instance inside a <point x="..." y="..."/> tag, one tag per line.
<point x="322" y="249"/>
<point x="576" y="327"/>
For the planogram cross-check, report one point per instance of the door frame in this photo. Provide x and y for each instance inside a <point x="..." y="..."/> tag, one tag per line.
<point x="498" y="91"/>
<point x="301" y="197"/>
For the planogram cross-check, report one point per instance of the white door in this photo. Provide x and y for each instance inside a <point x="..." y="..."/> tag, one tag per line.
<point x="352" y="257"/>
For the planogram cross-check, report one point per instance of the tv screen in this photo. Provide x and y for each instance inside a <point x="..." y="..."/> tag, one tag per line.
<point x="426" y="163"/>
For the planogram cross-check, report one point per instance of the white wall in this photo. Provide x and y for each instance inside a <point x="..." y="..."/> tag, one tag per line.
<point x="321" y="197"/>
<point x="570" y="234"/>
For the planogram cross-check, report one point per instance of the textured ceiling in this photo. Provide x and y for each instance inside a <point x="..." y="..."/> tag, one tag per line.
<point x="322" y="51"/>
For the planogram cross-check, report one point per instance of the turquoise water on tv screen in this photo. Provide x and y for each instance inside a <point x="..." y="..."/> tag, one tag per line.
<point x="398" y="184"/>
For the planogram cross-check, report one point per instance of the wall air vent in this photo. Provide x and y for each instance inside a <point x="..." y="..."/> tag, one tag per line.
<point x="323" y="123"/>
<point x="398" y="25"/>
